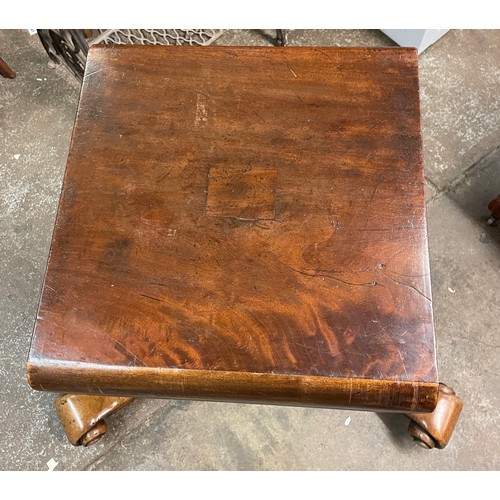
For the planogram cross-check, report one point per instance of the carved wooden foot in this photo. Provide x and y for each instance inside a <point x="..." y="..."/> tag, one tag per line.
<point x="82" y="416"/>
<point x="494" y="208"/>
<point x="434" y="430"/>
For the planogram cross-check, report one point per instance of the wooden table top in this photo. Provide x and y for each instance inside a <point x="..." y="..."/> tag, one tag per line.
<point x="242" y="223"/>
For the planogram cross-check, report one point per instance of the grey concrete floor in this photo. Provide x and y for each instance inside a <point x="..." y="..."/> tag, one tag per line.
<point x="460" y="93"/>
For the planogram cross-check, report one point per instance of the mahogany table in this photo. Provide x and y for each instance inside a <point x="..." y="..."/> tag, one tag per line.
<point x="243" y="224"/>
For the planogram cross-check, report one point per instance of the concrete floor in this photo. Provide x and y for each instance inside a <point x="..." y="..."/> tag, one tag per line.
<point x="460" y="92"/>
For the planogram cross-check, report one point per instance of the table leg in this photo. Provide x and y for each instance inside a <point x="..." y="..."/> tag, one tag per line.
<point x="5" y="70"/>
<point x="82" y="416"/>
<point x="281" y="38"/>
<point x="434" y="430"/>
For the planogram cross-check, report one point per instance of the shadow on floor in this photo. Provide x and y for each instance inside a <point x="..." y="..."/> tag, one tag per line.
<point x="474" y="192"/>
<point x="397" y="426"/>
<point x="270" y="38"/>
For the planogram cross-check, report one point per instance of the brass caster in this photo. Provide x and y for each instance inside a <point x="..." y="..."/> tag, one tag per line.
<point x="420" y="436"/>
<point x="82" y="416"/>
<point x="434" y="430"/>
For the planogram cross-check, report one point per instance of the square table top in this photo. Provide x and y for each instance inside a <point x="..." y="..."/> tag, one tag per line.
<point x="242" y="223"/>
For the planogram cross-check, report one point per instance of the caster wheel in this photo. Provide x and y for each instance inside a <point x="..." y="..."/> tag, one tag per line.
<point x="421" y="437"/>
<point x="95" y="434"/>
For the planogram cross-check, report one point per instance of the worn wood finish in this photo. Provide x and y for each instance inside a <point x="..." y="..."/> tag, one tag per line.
<point x="82" y="416"/>
<point x="5" y="70"/>
<point x="246" y="223"/>
<point x="236" y="386"/>
<point x="434" y="430"/>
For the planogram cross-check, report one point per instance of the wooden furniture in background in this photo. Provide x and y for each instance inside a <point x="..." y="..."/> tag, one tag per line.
<point x="243" y="224"/>
<point x="5" y="70"/>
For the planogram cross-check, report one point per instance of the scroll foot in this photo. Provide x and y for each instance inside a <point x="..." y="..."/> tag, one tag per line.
<point x="82" y="416"/>
<point x="434" y="430"/>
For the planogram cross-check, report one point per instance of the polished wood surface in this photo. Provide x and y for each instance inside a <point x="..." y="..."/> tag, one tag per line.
<point x="82" y="416"/>
<point x="242" y="223"/>
<point x="434" y="430"/>
<point x="360" y="394"/>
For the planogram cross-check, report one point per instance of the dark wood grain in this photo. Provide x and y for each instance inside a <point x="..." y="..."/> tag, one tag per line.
<point x="247" y="387"/>
<point x="254" y="211"/>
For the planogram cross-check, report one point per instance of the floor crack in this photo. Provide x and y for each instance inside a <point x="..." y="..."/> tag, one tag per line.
<point x="478" y="342"/>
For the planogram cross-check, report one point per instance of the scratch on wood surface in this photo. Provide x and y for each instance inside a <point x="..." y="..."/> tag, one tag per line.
<point x="93" y="73"/>
<point x="124" y="349"/>
<point x="158" y="283"/>
<point x="403" y="363"/>
<point x="277" y="84"/>
<point x="315" y="274"/>
<point x="149" y="297"/>
<point x="289" y="67"/>
<point x="166" y="175"/>
<point x="326" y="54"/>
<point x="255" y="113"/>
<point x="207" y="96"/>
<point x="354" y="218"/>
<point x="316" y="349"/>
<point x="375" y="189"/>
<point x="406" y="275"/>
<point x="130" y="352"/>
